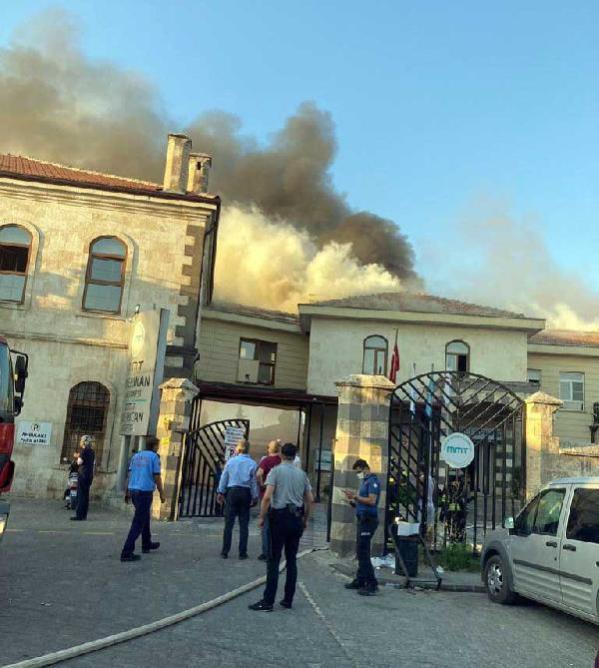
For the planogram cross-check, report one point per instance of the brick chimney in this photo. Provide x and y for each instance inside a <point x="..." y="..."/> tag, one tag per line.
<point x="198" y="172"/>
<point x="177" y="163"/>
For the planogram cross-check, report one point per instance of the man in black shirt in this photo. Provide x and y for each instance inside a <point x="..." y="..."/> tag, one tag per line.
<point x="86" y="463"/>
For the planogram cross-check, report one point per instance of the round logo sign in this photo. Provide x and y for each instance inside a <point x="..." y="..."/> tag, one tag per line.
<point x="457" y="450"/>
<point x="137" y="340"/>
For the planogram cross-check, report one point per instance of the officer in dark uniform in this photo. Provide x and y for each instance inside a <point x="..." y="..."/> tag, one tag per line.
<point x="365" y="502"/>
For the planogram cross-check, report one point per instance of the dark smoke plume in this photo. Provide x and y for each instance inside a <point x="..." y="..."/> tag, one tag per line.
<point x="57" y="105"/>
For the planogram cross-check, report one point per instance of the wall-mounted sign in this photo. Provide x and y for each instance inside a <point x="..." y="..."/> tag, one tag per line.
<point x="34" y="433"/>
<point x="232" y="437"/>
<point x="147" y="350"/>
<point x="457" y="450"/>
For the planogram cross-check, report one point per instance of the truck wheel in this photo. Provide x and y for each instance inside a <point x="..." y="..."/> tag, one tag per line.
<point x="496" y="581"/>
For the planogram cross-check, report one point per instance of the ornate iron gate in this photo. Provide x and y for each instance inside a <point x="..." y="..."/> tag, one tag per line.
<point x="454" y="504"/>
<point x="203" y="462"/>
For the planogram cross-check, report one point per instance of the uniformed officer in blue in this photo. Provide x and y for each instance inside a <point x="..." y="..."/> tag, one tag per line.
<point x="365" y="502"/>
<point x="144" y="478"/>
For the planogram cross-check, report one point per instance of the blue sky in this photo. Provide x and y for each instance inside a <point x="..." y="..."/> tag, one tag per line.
<point x="438" y="105"/>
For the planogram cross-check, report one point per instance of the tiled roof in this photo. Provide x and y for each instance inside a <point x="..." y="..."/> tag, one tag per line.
<point x="566" y="337"/>
<point x="254" y="312"/>
<point x="416" y="302"/>
<point x="21" y="167"/>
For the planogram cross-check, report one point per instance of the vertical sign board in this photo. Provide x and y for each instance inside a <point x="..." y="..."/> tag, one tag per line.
<point x="147" y="351"/>
<point x="232" y="437"/>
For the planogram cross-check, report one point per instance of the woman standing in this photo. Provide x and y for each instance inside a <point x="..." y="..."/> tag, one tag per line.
<point x="86" y="463"/>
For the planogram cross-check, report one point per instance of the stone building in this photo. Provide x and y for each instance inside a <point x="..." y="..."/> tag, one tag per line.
<point x="80" y="253"/>
<point x="332" y="340"/>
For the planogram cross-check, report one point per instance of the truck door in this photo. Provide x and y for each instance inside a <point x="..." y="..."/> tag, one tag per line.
<point x="534" y="546"/>
<point x="579" y="558"/>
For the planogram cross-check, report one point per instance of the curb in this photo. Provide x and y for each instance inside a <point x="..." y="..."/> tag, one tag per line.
<point x="432" y="586"/>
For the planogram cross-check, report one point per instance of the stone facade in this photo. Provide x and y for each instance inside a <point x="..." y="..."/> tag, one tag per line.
<point x="362" y="427"/>
<point x="545" y="459"/>
<point x="176" y="399"/>
<point x="163" y="234"/>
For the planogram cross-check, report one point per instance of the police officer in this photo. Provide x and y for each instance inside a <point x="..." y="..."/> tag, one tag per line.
<point x="288" y="501"/>
<point x="365" y="502"/>
<point x="144" y="478"/>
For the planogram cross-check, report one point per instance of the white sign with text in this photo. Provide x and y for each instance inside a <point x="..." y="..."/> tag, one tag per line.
<point x="457" y="450"/>
<point x="147" y="348"/>
<point x="34" y="433"/>
<point x="232" y="437"/>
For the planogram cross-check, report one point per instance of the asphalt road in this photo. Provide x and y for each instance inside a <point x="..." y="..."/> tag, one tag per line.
<point x="68" y="587"/>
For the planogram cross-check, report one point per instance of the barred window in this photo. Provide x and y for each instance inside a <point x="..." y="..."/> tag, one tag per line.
<point x="15" y="247"/>
<point x="105" y="276"/>
<point x="87" y="413"/>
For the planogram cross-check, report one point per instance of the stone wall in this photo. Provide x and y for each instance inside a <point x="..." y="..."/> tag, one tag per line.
<point x="545" y="459"/>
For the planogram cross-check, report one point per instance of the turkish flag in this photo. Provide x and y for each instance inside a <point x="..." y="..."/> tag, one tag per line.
<point x="394" y="363"/>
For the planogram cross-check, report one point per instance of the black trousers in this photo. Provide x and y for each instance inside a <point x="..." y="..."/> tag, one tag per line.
<point x="366" y="529"/>
<point x="285" y="532"/>
<point x="140" y="524"/>
<point x="237" y="504"/>
<point x="83" y="485"/>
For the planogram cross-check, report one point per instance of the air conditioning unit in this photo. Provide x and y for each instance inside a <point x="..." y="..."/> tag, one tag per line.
<point x="247" y="371"/>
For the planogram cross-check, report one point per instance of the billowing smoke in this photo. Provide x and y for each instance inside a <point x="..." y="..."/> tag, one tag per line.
<point x="281" y="267"/>
<point x="509" y="265"/>
<point x="57" y="105"/>
<point x="290" y="180"/>
<point x="294" y="235"/>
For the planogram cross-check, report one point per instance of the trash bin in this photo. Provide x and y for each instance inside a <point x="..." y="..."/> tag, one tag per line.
<point x="408" y="548"/>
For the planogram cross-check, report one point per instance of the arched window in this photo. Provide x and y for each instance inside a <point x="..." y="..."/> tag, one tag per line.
<point x="87" y="411"/>
<point x="374" y="360"/>
<point x="15" y="247"/>
<point x="457" y="356"/>
<point x="105" y="276"/>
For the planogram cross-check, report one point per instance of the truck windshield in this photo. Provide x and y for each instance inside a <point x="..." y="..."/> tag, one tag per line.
<point x="6" y="384"/>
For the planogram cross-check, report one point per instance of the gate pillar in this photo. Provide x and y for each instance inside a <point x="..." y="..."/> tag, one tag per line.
<point x="175" y="410"/>
<point x="542" y="447"/>
<point x="362" y="433"/>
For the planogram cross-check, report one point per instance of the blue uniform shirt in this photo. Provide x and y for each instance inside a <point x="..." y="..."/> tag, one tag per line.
<point x="370" y="485"/>
<point x="240" y="471"/>
<point x="144" y="465"/>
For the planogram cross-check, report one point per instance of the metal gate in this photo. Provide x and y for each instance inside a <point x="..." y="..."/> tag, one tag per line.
<point x="454" y="505"/>
<point x="203" y="462"/>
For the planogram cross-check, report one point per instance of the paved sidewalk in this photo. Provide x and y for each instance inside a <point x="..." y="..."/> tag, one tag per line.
<point x="62" y="582"/>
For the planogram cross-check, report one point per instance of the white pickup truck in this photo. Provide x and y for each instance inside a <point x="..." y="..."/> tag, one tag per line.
<point x="550" y="552"/>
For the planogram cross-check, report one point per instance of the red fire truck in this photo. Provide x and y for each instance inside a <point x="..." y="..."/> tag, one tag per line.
<point x="13" y="373"/>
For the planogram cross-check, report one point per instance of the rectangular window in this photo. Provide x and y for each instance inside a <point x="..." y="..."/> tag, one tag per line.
<point x="571" y="390"/>
<point x="583" y="523"/>
<point x="534" y="377"/>
<point x="257" y="360"/>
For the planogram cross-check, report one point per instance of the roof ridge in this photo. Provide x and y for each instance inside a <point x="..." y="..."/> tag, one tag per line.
<point x="81" y="170"/>
<point x="426" y="296"/>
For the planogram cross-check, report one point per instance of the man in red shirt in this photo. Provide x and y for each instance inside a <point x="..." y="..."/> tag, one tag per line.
<point x="272" y="459"/>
